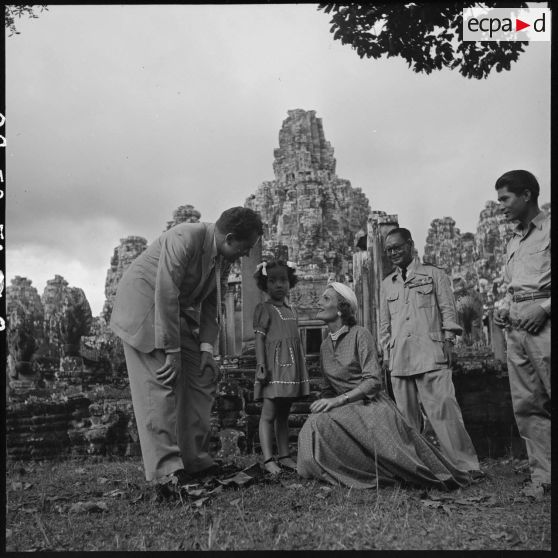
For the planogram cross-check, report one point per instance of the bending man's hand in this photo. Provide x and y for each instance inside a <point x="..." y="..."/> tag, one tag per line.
<point x="208" y="362"/>
<point x="167" y="373"/>
<point x="324" y="405"/>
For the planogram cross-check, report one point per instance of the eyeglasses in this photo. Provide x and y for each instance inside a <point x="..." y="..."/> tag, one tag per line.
<point x="395" y="249"/>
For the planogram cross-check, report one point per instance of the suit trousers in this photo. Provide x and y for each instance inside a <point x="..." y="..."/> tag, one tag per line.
<point x="173" y="422"/>
<point x="435" y="391"/>
<point x="529" y="375"/>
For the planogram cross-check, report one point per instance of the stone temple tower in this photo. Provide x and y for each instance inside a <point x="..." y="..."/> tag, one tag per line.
<point x="307" y="208"/>
<point x="310" y="215"/>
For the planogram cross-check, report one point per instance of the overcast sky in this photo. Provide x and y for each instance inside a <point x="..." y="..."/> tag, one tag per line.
<point x="116" y="115"/>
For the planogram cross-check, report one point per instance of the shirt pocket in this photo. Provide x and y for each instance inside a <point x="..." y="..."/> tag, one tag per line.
<point x="537" y="258"/>
<point x="438" y="339"/>
<point x="393" y="302"/>
<point x="424" y="295"/>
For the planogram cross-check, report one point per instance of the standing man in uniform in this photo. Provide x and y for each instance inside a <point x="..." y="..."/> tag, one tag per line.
<point x="417" y="331"/>
<point x="525" y="312"/>
<point x="166" y="312"/>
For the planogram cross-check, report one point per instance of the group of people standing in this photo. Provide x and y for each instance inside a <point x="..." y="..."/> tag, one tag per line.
<point x="167" y="312"/>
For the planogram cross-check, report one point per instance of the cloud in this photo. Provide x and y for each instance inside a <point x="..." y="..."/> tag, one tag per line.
<point x="119" y="114"/>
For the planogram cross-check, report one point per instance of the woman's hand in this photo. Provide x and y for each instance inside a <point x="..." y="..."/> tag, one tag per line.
<point x="324" y="405"/>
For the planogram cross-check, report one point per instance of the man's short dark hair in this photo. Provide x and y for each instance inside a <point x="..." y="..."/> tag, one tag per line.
<point x="404" y="233"/>
<point x="242" y="222"/>
<point x="517" y="181"/>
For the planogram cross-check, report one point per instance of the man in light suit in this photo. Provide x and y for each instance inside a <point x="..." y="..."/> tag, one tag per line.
<point x="417" y="331"/>
<point x="165" y="312"/>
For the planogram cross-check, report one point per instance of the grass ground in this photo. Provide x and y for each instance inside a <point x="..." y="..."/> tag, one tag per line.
<point x="85" y="506"/>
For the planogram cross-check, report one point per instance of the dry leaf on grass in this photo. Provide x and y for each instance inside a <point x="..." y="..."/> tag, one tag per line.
<point x="438" y="505"/>
<point x="89" y="507"/>
<point x="199" y="503"/>
<point x="195" y="492"/>
<point x="240" y="479"/>
<point x="102" y="480"/>
<point x="293" y="486"/>
<point x="509" y="535"/>
<point x="115" y="493"/>
<point x="137" y="499"/>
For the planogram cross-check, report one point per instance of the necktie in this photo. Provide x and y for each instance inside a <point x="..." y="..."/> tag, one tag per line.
<point x="218" y="280"/>
<point x="404" y="273"/>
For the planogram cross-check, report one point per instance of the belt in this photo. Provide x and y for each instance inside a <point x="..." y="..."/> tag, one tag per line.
<point x="530" y="296"/>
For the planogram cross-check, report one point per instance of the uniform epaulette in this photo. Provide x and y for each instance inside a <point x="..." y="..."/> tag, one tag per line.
<point x="433" y="265"/>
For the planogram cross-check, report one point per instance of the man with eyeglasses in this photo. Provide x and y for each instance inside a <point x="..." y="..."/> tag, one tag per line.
<point x="417" y="330"/>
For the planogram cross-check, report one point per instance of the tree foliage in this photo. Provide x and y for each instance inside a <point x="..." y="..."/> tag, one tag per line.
<point x="429" y="36"/>
<point x="13" y="11"/>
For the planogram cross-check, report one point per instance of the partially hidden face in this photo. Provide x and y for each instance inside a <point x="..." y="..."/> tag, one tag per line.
<point x="328" y="306"/>
<point x="277" y="282"/>
<point x="234" y="248"/>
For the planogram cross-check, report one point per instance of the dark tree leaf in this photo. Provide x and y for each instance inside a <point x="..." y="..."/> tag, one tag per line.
<point x="427" y="35"/>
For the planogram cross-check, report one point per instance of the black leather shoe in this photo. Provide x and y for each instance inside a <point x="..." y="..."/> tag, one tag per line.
<point x="211" y="471"/>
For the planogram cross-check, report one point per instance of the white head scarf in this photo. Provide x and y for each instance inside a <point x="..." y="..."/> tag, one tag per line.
<point x="347" y="293"/>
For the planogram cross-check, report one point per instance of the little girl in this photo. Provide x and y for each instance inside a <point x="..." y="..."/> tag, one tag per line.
<point x="281" y="374"/>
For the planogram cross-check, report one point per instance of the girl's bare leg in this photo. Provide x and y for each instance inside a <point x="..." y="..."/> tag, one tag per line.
<point x="266" y="428"/>
<point x="283" y="407"/>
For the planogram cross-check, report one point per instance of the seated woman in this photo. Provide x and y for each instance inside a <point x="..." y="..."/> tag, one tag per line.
<point x="355" y="435"/>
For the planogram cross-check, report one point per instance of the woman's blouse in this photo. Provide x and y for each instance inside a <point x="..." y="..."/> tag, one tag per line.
<point x="350" y="362"/>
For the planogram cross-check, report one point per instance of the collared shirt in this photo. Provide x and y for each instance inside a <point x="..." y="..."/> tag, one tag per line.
<point x="527" y="266"/>
<point x="416" y="315"/>
<point x="350" y="362"/>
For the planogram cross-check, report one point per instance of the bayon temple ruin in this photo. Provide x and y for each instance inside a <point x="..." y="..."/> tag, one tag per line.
<point x="67" y="387"/>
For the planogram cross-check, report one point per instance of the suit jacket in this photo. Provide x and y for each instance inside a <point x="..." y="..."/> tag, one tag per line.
<point x="415" y="317"/>
<point x="167" y="287"/>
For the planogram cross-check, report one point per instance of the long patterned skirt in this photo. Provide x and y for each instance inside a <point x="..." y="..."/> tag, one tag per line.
<point x="365" y="442"/>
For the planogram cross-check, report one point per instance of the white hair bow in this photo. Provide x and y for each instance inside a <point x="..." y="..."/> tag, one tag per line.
<point x="263" y="267"/>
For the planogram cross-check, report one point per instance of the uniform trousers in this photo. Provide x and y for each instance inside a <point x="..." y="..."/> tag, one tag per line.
<point x="173" y="422"/>
<point x="435" y="391"/>
<point x="529" y="374"/>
